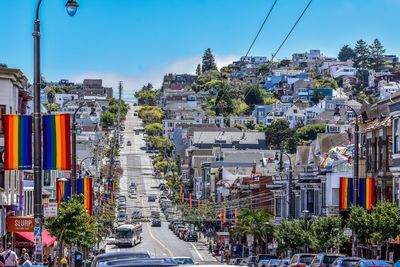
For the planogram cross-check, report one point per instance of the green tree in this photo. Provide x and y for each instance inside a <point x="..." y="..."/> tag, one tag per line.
<point x="208" y="62"/>
<point x="153" y="129"/>
<point x="264" y="69"/>
<point x="261" y="127"/>
<point x="346" y="53"/>
<point x="150" y="114"/>
<point x="72" y="224"/>
<point x="278" y="133"/>
<point x="327" y="82"/>
<point x="327" y="233"/>
<point x="240" y="107"/>
<point x="309" y="132"/>
<point x="386" y="222"/>
<point x="361" y="55"/>
<point x="257" y="223"/>
<point x="146" y="97"/>
<point x="107" y="119"/>
<point x="253" y="95"/>
<point x="284" y="63"/>
<point x="198" y="70"/>
<point x="250" y="125"/>
<point x="162" y="144"/>
<point x="360" y="222"/>
<point x="238" y="126"/>
<point x="292" y="235"/>
<point x="51" y="106"/>
<point x="316" y="97"/>
<point x="377" y="55"/>
<point x="161" y="166"/>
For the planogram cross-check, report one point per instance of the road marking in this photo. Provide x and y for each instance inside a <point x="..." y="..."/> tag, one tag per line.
<point x="198" y="253"/>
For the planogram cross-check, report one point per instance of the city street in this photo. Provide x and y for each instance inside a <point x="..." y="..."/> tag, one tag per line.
<point x="158" y="241"/>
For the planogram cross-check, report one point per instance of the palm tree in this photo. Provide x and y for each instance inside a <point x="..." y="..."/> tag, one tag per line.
<point x="257" y="223"/>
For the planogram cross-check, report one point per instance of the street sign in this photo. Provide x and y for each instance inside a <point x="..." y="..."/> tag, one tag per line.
<point x="20" y="224"/>
<point x="50" y="210"/>
<point x="348" y="232"/>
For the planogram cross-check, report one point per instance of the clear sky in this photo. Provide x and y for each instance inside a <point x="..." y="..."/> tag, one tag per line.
<point x="139" y="40"/>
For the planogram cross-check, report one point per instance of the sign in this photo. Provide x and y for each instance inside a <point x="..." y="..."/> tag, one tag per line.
<point x="20" y="224"/>
<point x="50" y="210"/>
<point x="348" y="232"/>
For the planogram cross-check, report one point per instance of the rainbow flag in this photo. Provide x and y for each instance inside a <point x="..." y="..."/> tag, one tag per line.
<point x="57" y="142"/>
<point x="236" y="215"/>
<point x="367" y="192"/>
<point x="346" y="193"/>
<point x="223" y="215"/>
<point x="327" y="163"/>
<point x="63" y="191"/>
<point x="85" y="188"/>
<point x="17" y="142"/>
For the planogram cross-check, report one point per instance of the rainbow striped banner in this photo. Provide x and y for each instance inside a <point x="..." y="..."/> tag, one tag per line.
<point x="236" y="215"/>
<point x="17" y="142"/>
<point x="85" y="188"/>
<point x="346" y="193"/>
<point x="57" y="142"/>
<point x="63" y="191"/>
<point x="367" y="193"/>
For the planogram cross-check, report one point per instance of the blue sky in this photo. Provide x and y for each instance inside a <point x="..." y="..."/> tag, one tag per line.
<point x="139" y="40"/>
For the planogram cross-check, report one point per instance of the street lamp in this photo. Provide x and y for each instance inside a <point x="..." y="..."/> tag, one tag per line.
<point x="336" y="116"/>
<point x="74" y="124"/>
<point x="279" y="158"/>
<point x="80" y="164"/>
<point x="72" y="6"/>
<point x="266" y="235"/>
<point x="305" y="214"/>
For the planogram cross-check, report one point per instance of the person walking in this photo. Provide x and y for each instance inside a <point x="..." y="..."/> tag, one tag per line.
<point x="27" y="261"/>
<point x="210" y="247"/>
<point x="10" y="257"/>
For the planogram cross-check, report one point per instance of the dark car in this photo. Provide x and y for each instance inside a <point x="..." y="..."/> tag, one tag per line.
<point x="151" y="198"/>
<point x="345" y="262"/>
<point x="301" y="260"/>
<point x="371" y="263"/>
<point x="129" y="143"/>
<point x="191" y="236"/>
<point x="118" y="255"/>
<point x="156" y="223"/>
<point x="324" y="259"/>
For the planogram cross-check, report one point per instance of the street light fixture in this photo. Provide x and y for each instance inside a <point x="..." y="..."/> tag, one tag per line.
<point x="72" y="6"/>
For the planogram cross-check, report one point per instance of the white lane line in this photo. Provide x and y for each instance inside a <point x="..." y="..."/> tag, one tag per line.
<point x="198" y="253"/>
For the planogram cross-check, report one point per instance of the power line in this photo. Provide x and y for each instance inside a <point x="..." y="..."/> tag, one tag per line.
<point x="291" y="30"/>
<point x="262" y="26"/>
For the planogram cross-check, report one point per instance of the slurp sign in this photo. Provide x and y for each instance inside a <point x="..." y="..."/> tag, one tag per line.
<point x="20" y="224"/>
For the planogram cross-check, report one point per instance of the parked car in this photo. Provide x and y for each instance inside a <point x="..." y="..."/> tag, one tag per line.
<point x="262" y="263"/>
<point x="251" y="261"/>
<point x="184" y="261"/>
<point x="151" y="198"/>
<point x="129" y="143"/>
<point x="301" y="260"/>
<point x="264" y="257"/>
<point x="345" y="262"/>
<point x="284" y="263"/>
<point x="156" y="223"/>
<point x="324" y="259"/>
<point x="110" y="240"/>
<point x="371" y="263"/>
<point x="273" y="263"/>
<point x="191" y="236"/>
<point x="102" y="258"/>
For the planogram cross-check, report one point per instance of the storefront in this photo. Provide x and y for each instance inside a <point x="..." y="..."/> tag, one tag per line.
<point x="25" y="240"/>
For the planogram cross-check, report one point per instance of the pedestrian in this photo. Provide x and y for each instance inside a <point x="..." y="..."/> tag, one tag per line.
<point x="210" y="247"/>
<point x="27" y="262"/>
<point x="64" y="262"/>
<point x="222" y="255"/>
<point x="10" y="257"/>
<point x="227" y="254"/>
<point x="22" y="258"/>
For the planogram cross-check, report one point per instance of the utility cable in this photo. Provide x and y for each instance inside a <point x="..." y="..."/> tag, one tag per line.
<point x="291" y="30"/>
<point x="262" y="26"/>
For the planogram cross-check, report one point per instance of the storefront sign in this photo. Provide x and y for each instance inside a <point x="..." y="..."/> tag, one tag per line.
<point x="50" y="209"/>
<point x="20" y="224"/>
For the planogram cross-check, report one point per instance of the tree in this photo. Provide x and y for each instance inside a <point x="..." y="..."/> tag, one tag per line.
<point x="309" y="132"/>
<point x="316" y="97"/>
<point x="240" y="107"/>
<point x="284" y="63"/>
<point x="238" y="126"/>
<point x="257" y="223"/>
<point x="150" y="114"/>
<point x="153" y="129"/>
<point x="107" y="119"/>
<point x="146" y="96"/>
<point x="386" y="222"/>
<point x="162" y="144"/>
<point x="253" y="95"/>
<point x="208" y="62"/>
<point x="278" y="133"/>
<point x="250" y="125"/>
<point x="264" y="69"/>
<point x="361" y="55"/>
<point x="360" y="222"/>
<point x="198" y="70"/>
<point x="292" y="235"/>
<point x="327" y="82"/>
<point x="346" y="53"/>
<point x="327" y="233"/>
<point x="72" y="224"/>
<point x="377" y="55"/>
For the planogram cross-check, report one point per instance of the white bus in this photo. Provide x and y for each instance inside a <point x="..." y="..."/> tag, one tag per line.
<point x="128" y="235"/>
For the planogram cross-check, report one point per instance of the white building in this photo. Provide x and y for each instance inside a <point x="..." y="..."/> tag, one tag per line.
<point x="169" y="125"/>
<point x="295" y="116"/>
<point x="387" y="88"/>
<point x="242" y="120"/>
<point x="337" y="71"/>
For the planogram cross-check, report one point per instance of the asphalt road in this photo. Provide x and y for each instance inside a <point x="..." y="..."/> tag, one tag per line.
<point x="137" y="165"/>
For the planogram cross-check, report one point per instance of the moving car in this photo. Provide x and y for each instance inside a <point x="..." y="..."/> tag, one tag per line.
<point x="324" y="259"/>
<point x="118" y="255"/>
<point x="137" y="214"/>
<point x="345" y="262"/>
<point x="143" y="262"/>
<point x="191" y="236"/>
<point x="301" y="260"/>
<point x="156" y="223"/>
<point x="151" y="198"/>
<point x="371" y="263"/>
<point x="129" y="143"/>
<point x="110" y="240"/>
<point x="184" y="260"/>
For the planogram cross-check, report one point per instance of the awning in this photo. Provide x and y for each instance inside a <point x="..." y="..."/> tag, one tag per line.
<point x="23" y="238"/>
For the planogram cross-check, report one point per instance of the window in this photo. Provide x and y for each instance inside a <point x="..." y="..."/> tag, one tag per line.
<point x="369" y="155"/>
<point x="376" y="156"/>
<point x="380" y="153"/>
<point x="396" y="136"/>
<point x="278" y="204"/>
<point x="310" y="201"/>
<point x="363" y="145"/>
<point x="2" y="112"/>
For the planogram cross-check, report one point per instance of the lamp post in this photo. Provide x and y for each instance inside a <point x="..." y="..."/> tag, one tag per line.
<point x="305" y="214"/>
<point x="290" y="180"/>
<point x="80" y="164"/>
<point x="336" y="116"/>
<point x="74" y="124"/>
<point x="266" y="235"/>
<point x="71" y="7"/>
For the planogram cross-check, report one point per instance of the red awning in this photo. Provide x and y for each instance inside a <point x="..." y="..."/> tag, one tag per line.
<point x="27" y="237"/>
